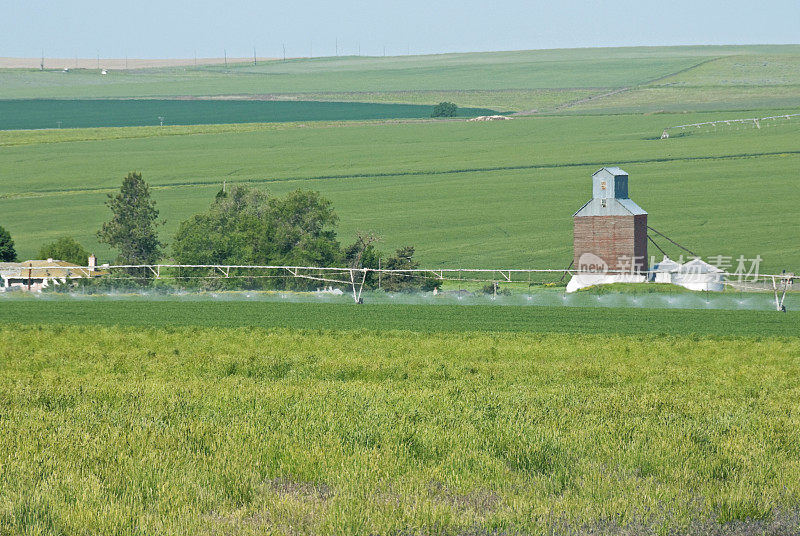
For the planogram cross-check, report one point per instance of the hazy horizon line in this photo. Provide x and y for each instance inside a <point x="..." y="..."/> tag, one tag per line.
<point x="245" y="58"/>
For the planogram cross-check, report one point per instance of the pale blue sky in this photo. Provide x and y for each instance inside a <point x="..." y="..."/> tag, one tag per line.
<point x="175" y="29"/>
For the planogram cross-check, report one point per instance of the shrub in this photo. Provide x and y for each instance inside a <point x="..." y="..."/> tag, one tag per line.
<point x="399" y="282"/>
<point x="494" y="288"/>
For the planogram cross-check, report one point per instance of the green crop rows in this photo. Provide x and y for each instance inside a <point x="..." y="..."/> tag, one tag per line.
<point x="144" y="313"/>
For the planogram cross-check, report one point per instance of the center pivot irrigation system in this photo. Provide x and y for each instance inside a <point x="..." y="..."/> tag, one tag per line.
<point x="754" y="122"/>
<point x="356" y="278"/>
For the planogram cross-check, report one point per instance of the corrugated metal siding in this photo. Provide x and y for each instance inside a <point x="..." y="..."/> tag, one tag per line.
<point x="666" y="265"/>
<point x="614" y="170"/>
<point x="610" y="183"/>
<point x="603" y="186"/>
<point x="614" y="207"/>
<point x="698" y="266"/>
<point x="632" y="207"/>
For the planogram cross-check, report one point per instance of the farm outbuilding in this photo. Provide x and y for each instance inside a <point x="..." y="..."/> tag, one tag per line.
<point x="610" y="230"/>
<point x="609" y="234"/>
<point x="610" y="243"/>
<point x="699" y="275"/>
<point x="35" y="275"/>
<point x="662" y="272"/>
<point x="8" y="270"/>
<point x="694" y="275"/>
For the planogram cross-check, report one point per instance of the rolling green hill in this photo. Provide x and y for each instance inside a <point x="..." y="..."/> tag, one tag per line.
<point x="466" y="194"/>
<point x="544" y="80"/>
<point x="589" y="68"/>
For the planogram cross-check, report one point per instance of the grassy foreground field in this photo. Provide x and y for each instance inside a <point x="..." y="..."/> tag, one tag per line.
<point x="251" y="431"/>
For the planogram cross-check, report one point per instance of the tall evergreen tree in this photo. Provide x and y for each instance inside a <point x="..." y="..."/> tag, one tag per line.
<point x="7" y="251"/>
<point x="132" y="228"/>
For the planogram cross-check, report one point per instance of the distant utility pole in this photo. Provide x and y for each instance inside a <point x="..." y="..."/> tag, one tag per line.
<point x="384" y="51"/>
<point x="359" y="48"/>
<point x="41" y="65"/>
<point x="284" y="52"/>
<point x="98" y="59"/>
<point x="337" y="46"/>
<point x="126" y="62"/>
<point x="76" y="61"/>
<point x="254" y="56"/>
<point x="225" y="53"/>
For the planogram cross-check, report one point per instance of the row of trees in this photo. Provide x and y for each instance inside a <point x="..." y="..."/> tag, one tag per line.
<point x="242" y="226"/>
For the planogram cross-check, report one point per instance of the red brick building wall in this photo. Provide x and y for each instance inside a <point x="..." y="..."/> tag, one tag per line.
<point x="614" y="239"/>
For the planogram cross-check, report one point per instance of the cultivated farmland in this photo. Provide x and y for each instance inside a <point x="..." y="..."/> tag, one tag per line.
<point x="237" y="414"/>
<point x="476" y="192"/>
<point x="233" y="312"/>
<point x="246" y="431"/>
<point x="541" y="80"/>
<point x="39" y="114"/>
<point x="589" y="68"/>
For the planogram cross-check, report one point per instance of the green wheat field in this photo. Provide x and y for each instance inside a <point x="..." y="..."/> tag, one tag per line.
<point x="121" y="430"/>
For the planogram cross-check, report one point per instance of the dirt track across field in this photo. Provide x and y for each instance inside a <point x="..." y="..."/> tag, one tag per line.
<point x="114" y="63"/>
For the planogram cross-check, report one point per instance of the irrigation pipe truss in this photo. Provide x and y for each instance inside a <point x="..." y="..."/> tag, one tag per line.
<point x="756" y="121"/>
<point x="356" y="278"/>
